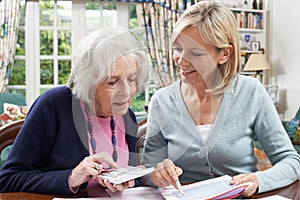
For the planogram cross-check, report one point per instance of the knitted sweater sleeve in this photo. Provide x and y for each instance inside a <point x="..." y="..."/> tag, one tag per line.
<point x="35" y="163"/>
<point x="277" y="145"/>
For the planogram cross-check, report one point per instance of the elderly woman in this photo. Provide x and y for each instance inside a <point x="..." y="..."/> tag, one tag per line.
<point x="203" y="126"/>
<point x="72" y="132"/>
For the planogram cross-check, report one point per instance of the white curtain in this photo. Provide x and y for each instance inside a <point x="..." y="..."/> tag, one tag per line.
<point x="9" y="21"/>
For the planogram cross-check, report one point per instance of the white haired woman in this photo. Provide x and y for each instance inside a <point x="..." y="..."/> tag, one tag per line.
<point x="72" y="132"/>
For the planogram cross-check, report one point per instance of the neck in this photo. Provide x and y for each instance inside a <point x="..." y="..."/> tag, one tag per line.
<point x="195" y="91"/>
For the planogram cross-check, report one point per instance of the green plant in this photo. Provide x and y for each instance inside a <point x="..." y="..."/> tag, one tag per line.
<point x="138" y="102"/>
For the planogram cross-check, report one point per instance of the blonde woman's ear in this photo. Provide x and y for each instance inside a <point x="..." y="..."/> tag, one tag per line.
<point x="225" y="54"/>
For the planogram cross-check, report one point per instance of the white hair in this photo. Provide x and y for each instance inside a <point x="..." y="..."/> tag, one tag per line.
<point x="94" y="56"/>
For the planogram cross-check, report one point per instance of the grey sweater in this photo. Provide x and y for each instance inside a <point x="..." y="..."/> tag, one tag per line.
<point x="246" y="113"/>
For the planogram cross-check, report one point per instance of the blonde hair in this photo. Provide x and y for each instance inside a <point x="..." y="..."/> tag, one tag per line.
<point x="218" y="27"/>
<point x="94" y="57"/>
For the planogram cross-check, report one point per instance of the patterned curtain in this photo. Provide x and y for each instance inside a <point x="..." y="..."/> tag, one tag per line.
<point x="158" y="19"/>
<point x="9" y="21"/>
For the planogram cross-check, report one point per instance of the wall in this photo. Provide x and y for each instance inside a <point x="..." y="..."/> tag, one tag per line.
<point x="284" y="54"/>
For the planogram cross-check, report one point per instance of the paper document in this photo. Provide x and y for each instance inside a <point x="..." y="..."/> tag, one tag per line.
<point x="217" y="188"/>
<point x="137" y="193"/>
<point x="122" y="175"/>
<point x="275" y="197"/>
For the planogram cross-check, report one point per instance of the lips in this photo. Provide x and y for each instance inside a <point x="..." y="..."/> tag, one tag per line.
<point x="187" y="71"/>
<point x="121" y="103"/>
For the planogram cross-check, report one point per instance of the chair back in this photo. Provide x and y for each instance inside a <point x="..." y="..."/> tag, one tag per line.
<point x="9" y="132"/>
<point x="141" y="138"/>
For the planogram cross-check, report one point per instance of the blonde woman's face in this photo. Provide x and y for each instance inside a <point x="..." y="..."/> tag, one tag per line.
<point x="195" y="58"/>
<point x="113" y="96"/>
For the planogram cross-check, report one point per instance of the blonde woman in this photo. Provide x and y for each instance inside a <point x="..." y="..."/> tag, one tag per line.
<point x="203" y="126"/>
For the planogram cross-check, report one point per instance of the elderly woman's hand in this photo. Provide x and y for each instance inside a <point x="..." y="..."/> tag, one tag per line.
<point x="243" y="178"/>
<point x="166" y="173"/>
<point x="89" y="168"/>
<point x="115" y="187"/>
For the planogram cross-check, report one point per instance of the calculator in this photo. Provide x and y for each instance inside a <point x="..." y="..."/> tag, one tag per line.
<point x="124" y="174"/>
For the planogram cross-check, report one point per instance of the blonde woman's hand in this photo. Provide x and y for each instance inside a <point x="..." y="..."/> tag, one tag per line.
<point x="243" y="178"/>
<point x="166" y="173"/>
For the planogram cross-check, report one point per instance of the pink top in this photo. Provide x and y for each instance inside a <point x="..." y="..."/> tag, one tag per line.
<point x="102" y="134"/>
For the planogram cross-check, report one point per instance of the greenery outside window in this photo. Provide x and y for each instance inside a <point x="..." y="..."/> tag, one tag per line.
<point x="46" y="34"/>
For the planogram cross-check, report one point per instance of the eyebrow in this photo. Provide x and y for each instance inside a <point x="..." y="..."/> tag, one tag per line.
<point x="176" y="43"/>
<point x="118" y="76"/>
<point x="192" y="48"/>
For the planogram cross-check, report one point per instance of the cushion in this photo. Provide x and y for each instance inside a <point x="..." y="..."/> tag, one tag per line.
<point x="12" y="112"/>
<point x="296" y="137"/>
<point x="4" y="155"/>
<point x="291" y="126"/>
<point x="13" y="98"/>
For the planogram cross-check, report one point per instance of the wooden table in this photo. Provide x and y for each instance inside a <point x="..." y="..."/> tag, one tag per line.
<point x="292" y="191"/>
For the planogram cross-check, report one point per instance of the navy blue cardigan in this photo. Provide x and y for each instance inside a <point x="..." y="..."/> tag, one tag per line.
<point x="52" y="141"/>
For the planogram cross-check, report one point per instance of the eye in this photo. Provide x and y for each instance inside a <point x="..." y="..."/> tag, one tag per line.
<point x="196" y="53"/>
<point x="132" y="79"/>
<point x="112" y="81"/>
<point x="177" y="49"/>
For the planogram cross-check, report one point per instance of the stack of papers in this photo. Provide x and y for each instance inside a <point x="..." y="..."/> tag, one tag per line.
<point x="217" y="188"/>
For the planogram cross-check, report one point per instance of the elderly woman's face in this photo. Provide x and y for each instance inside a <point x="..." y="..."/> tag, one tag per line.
<point x="113" y="96"/>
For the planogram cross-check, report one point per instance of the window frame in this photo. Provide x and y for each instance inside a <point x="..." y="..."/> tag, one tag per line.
<point x="32" y="30"/>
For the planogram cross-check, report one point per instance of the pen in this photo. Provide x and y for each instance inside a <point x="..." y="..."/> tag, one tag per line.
<point x="179" y="187"/>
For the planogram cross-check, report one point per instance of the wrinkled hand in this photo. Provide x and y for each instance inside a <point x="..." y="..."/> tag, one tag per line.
<point x="86" y="170"/>
<point x="166" y="173"/>
<point x="115" y="187"/>
<point x="243" y="178"/>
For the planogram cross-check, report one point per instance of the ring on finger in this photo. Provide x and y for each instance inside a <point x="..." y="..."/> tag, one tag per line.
<point x="98" y="166"/>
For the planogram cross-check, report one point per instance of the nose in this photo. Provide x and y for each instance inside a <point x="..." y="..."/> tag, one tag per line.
<point x="182" y="61"/>
<point x="124" y="88"/>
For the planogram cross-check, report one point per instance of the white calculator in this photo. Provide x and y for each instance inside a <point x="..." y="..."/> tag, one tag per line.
<point x="121" y="175"/>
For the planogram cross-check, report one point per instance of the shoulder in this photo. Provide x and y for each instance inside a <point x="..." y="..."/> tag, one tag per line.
<point x="248" y="90"/>
<point x="166" y="101"/>
<point x="248" y="85"/>
<point x="51" y="99"/>
<point x="56" y="94"/>
<point x="168" y="93"/>
<point x="60" y="91"/>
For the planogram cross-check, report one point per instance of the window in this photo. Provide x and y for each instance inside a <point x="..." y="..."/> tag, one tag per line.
<point x="47" y="31"/>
